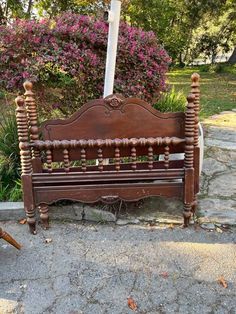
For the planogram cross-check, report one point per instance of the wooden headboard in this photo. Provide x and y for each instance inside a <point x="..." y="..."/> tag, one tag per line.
<point x="115" y="117"/>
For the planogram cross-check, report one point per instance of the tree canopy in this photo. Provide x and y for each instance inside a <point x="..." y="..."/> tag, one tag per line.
<point x="186" y="28"/>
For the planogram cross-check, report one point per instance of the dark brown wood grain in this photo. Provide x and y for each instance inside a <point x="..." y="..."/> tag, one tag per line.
<point x="98" y="120"/>
<point x="68" y="162"/>
<point x="7" y="237"/>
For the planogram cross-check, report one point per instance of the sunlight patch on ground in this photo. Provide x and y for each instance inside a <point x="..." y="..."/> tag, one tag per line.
<point x="225" y="120"/>
<point x="7" y="306"/>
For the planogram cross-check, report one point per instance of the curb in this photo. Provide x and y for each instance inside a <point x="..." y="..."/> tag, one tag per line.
<point x="77" y="212"/>
<point x="11" y="211"/>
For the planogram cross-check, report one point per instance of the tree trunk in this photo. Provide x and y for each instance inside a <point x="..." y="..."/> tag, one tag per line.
<point x="2" y="17"/>
<point x="29" y="8"/>
<point x="232" y="59"/>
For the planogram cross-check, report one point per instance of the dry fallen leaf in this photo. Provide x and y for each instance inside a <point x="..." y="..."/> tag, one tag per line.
<point x="48" y="240"/>
<point x="222" y="282"/>
<point x="164" y="274"/>
<point x="219" y="230"/>
<point x="171" y="226"/>
<point x="23" y="221"/>
<point x="132" y="304"/>
<point x="152" y="224"/>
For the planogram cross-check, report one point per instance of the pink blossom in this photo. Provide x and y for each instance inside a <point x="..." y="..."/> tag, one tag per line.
<point x="73" y="51"/>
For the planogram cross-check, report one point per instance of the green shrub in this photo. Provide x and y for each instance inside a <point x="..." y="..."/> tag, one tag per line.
<point x="2" y="94"/>
<point x="69" y="53"/>
<point x="204" y="68"/>
<point x="217" y="68"/>
<point x="9" y="159"/>
<point x="171" y="101"/>
<point x="230" y="69"/>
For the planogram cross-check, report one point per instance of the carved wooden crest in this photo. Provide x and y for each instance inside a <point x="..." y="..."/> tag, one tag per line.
<point x="115" y="102"/>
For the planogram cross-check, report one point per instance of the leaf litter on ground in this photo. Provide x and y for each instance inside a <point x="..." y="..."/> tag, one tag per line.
<point x="222" y="282"/>
<point x="164" y="274"/>
<point x="23" y="221"/>
<point x="132" y="304"/>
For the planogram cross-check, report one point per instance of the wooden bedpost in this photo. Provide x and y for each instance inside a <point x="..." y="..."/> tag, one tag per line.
<point x="7" y="237"/>
<point x="188" y="160"/>
<point x="26" y="166"/>
<point x="32" y="114"/>
<point x="31" y="109"/>
<point x="195" y="90"/>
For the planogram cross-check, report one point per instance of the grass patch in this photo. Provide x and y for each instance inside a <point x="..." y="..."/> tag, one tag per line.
<point x="218" y="90"/>
<point x="171" y="101"/>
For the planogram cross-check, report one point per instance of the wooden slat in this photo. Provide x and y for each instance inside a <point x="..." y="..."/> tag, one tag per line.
<point x="94" y="193"/>
<point x="72" y="178"/>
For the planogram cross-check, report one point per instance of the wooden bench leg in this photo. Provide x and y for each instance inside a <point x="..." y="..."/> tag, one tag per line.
<point x="6" y="236"/>
<point x="43" y="209"/>
<point x="187" y="214"/>
<point x="29" y="209"/>
<point x="31" y="220"/>
<point x="30" y="212"/>
<point x="29" y="204"/>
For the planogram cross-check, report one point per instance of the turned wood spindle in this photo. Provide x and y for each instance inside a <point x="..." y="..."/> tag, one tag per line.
<point x="26" y="165"/>
<point x="189" y="132"/>
<point x="32" y="116"/>
<point x="83" y="160"/>
<point x="22" y="127"/>
<point x="100" y="159"/>
<point x="66" y="160"/>
<point x="150" y="158"/>
<point x="117" y="159"/>
<point x="43" y="209"/>
<point x="189" y="155"/>
<point x="195" y="90"/>
<point x="49" y="160"/>
<point x="134" y="158"/>
<point x="167" y="157"/>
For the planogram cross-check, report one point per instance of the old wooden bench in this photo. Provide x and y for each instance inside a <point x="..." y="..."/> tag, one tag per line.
<point x="56" y="158"/>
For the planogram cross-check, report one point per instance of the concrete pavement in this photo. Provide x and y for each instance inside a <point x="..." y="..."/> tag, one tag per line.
<point x="93" y="268"/>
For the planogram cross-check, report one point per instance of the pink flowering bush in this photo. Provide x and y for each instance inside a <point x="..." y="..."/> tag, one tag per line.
<point x="68" y="55"/>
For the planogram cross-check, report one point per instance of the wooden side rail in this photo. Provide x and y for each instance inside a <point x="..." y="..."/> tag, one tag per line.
<point x="116" y="144"/>
<point x="57" y="158"/>
<point x="107" y="176"/>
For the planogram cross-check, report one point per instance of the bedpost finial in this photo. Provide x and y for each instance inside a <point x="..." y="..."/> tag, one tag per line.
<point x="19" y="101"/>
<point x="28" y="86"/>
<point x="195" y="77"/>
<point x="191" y="98"/>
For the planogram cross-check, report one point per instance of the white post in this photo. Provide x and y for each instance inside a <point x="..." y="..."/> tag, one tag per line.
<point x="201" y="145"/>
<point x="113" y="19"/>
